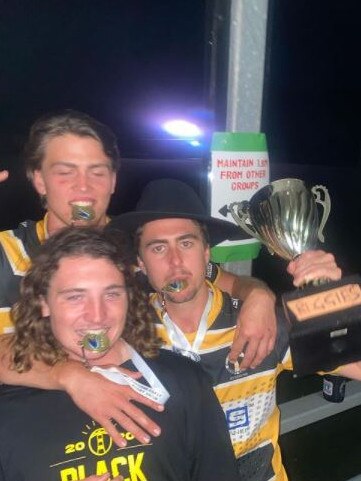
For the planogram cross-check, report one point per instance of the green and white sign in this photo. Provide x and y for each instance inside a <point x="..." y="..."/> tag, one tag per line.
<point x="239" y="168"/>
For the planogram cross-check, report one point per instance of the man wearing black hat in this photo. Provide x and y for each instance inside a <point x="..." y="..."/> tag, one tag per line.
<point x="173" y="236"/>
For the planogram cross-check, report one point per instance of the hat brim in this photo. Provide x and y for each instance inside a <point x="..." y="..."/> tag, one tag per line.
<point x="219" y="230"/>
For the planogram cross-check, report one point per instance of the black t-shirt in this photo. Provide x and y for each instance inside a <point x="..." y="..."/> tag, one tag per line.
<point x="45" y="437"/>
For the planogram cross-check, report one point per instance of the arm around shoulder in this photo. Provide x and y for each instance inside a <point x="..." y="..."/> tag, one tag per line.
<point x="39" y="376"/>
<point x="239" y="287"/>
<point x="100" y="398"/>
<point x="256" y="324"/>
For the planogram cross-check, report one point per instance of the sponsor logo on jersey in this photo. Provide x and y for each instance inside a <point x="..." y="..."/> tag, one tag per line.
<point x="237" y="417"/>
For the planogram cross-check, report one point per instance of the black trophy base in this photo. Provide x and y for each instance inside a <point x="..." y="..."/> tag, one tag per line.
<point x="325" y="325"/>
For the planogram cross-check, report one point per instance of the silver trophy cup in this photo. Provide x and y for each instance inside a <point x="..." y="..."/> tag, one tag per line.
<point x="284" y="216"/>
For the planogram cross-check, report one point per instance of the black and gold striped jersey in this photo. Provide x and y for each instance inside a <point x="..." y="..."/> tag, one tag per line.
<point x="17" y="247"/>
<point x="248" y="399"/>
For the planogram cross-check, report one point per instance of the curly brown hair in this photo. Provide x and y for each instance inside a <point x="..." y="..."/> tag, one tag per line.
<point x="33" y="338"/>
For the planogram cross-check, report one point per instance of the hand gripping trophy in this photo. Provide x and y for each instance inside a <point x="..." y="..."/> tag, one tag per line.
<point x="284" y="216"/>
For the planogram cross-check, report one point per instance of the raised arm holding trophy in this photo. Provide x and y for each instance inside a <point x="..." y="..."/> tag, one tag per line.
<point x="284" y="216"/>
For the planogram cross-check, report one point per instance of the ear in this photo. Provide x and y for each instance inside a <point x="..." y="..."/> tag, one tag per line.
<point x="45" y="311"/>
<point x="207" y="254"/>
<point x="141" y="265"/>
<point x="38" y="182"/>
<point x="114" y="181"/>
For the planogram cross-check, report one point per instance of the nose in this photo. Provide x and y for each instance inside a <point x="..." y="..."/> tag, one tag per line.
<point x="95" y="311"/>
<point x="82" y="181"/>
<point x="175" y="256"/>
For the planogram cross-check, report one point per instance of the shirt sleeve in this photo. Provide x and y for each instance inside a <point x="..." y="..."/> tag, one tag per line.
<point x="5" y="320"/>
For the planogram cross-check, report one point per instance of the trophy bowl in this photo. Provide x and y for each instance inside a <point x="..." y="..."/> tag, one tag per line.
<point x="284" y="216"/>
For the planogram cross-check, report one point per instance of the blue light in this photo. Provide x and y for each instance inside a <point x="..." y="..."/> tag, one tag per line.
<point x="195" y="143"/>
<point x="182" y="129"/>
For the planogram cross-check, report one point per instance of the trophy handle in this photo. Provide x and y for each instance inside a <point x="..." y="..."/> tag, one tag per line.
<point x="326" y="204"/>
<point x="240" y="213"/>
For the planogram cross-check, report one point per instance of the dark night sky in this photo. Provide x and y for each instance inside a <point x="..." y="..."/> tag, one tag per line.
<point x="119" y="61"/>
<point x="313" y="90"/>
<point x="130" y="62"/>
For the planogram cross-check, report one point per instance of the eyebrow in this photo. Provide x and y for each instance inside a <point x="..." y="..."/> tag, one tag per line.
<point x="81" y="289"/>
<point x="65" y="163"/>
<point x="166" y="241"/>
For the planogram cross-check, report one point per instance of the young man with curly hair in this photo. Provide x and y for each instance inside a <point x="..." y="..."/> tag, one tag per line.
<point x="80" y="301"/>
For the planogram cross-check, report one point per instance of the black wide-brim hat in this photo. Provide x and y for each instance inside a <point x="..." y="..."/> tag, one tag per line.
<point x="170" y="198"/>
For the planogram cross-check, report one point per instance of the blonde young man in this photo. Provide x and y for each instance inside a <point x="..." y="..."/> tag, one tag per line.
<point x="72" y="160"/>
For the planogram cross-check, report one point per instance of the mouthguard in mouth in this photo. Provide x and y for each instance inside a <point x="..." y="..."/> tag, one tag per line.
<point x="82" y="211"/>
<point x="95" y="341"/>
<point x="177" y="285"/>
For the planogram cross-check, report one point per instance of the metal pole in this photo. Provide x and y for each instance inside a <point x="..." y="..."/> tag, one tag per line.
<point x="247" y="42"/>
